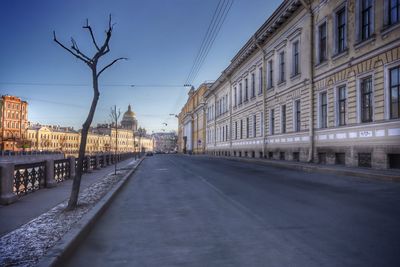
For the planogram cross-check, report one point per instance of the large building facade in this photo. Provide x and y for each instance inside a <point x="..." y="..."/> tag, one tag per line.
<point x="318" y="82"/>
<point x="13" y="123"/>
<point x="192" y="122"/>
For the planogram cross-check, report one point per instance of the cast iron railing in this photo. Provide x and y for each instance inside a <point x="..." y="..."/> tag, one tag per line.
<point x="62" y="170"/>
<point x="29" y="177"/>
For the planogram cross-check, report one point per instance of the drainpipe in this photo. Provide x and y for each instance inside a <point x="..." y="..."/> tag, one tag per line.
<point x="308" y="6"/>
<point x="264" y="54"/>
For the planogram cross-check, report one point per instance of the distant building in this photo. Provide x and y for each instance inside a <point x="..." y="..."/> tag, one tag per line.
<point x="192" y="122"/>
<point x="165" y="142"/>
<point x="129" y="120"/>
<point x="17" y="134"/>
<point x="13" y="123"/>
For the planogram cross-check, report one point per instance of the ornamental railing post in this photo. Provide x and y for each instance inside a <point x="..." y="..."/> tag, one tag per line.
<point x="7" y="195"/>
<point x="50" y="180"/>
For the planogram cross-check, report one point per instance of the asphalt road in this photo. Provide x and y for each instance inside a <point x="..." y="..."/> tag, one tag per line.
<point x="198" y="211"/>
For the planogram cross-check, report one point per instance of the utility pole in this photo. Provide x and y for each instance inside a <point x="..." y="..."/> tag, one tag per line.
<point x="114" y="117"/>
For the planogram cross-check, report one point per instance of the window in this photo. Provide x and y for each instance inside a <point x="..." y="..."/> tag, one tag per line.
<point x="295" y="58"/>
<point x="246" y="90"/>
<point x="342" y="105"/>
<point x="366" y="19"/>
<point x="323" y="110"/>
<point x="254" y="126"/>
<point x="282" y="66"/>
<point x="235" y="95"/>
<point x="241" y="129"/>
<point x="297" y="114"/>
<point x="260" y="80"/>
<point x="322" y="43"/>
<point x="240" y="94"/>
<point x="247" y="127"/>
<point x="394" y="11"/>
<point x="366" y="99"/>
<point x="236" y="130"/>
<point x="261" y="124"/>
<point x="283" y="110"/>
<point x="394" y="81"/>
<point x="253" y="85"/>
<point x="272" y="122"/>
<point x="271" y="74"/>
<point x="341" y="30"/>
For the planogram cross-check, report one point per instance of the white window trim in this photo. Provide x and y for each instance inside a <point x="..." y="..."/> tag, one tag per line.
<point x="386" y="86"/>
<point x="319" y="109"/>
<point x="335" y="33"/>
<point x="281" y="119"/>
<point x="270" y="121"/>
<point x="358" y="21"/>
<point x="336" y="102"/>
<point x="358" y="94"/>
<point x="317" y="41"/>
<point x="279" y="61"/>
<point x="298" y="40"/>
<point x="268" y="71"/>
<point x="294" y="124"/>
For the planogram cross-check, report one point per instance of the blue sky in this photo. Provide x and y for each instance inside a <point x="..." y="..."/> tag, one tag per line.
<point x="160" y="37"/>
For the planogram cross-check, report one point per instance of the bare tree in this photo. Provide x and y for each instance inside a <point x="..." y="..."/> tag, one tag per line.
<point x="91" y="62"/>
<point x="114" y="119"/>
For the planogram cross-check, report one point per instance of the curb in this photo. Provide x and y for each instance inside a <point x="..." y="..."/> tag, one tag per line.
<point x="320" y="169"/>
<point x="67" y="244"/>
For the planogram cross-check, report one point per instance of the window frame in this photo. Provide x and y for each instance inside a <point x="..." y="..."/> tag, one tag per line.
<point x="360" y="78"/>
<point x="272" y="121"/>
<point x="341" y="9"/>
<point x="323" y="120"/>
<point x="297" y="115"/>
<point x="282" y="67"/>
<point x="283" y="119"/>
<point x="338" y="102"/>
<point x="321" y="59"/>
<point x="295" y="58"/>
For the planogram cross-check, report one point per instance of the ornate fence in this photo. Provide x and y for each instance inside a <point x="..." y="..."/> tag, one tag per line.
<point x="62" y="170"/>
<point x="92" y="162"/>
<point x="29" y="177"/>
<point x="21" y="179"/>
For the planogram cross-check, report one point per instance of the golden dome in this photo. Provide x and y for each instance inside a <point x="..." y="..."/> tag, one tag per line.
<point x="129" y="115"/>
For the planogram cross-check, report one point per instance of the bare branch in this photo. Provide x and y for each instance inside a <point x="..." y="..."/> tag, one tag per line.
<point x="109" y="65"/>
<point x="76" y="49"/>
<point x="91" y="34"/>
<point x="69" y="50"/>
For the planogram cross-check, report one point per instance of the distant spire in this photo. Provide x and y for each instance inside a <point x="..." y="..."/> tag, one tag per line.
<point x="129" y="107"/>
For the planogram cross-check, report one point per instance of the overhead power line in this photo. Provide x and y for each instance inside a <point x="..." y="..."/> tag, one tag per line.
<point x="213" y="29"/>
<point x="89" y="85"/>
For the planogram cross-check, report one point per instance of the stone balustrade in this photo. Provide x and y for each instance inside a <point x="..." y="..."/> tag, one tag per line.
<point x="19" y="177"/>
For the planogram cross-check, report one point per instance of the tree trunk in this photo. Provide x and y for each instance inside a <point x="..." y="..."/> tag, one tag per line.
<point x="73" y="200"/>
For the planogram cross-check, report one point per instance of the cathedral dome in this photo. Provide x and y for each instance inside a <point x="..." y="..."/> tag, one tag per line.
<point x="129" y="120"/>
<point x="129" y="115"/>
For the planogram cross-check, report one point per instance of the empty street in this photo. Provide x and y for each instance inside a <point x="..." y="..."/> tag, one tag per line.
<point x="179" y="210"/>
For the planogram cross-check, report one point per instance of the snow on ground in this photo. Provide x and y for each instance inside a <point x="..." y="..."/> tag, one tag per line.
<point x="27" y="244"/>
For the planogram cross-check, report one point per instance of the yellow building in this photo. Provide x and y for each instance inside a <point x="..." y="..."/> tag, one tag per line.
<point x="328" y="74"/>
<point x="191" y="122"/>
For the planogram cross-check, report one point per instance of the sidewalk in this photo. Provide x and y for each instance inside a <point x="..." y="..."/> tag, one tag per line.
<point x="391" y="174"/>
<point x="34" y="204"/>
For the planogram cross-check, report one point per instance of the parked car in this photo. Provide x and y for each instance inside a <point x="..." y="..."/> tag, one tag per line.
<point x="149" y="154"/>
